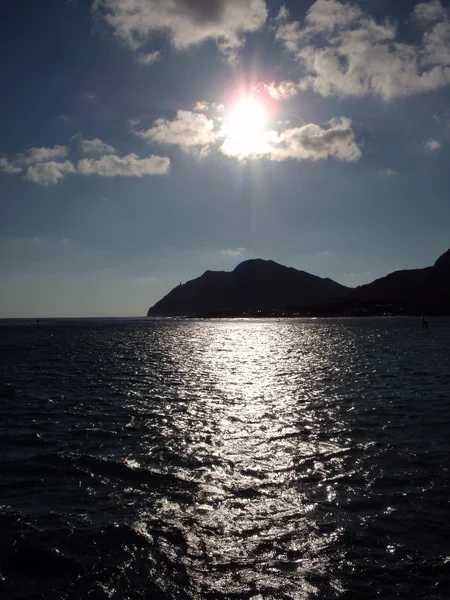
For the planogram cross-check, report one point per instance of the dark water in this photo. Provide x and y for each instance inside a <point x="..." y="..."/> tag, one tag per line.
<point x="225" y="459"/>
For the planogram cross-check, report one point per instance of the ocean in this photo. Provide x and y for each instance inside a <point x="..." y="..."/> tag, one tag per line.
<point x="244" y="459"/>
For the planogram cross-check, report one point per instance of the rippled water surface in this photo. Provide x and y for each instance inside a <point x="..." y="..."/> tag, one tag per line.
<point x="284" y="459"/>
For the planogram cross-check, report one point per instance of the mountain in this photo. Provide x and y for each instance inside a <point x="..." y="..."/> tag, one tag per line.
<point x="265" y="287"/>
<point x="417" y="290"/>
<point x="254" y="285"/>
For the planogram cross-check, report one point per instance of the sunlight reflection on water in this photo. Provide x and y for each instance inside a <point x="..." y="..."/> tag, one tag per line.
<point x="259" y="433"/>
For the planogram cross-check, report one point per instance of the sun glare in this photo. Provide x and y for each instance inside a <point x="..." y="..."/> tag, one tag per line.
<point x="244" y="127"/>
<point x="247" y="118"/>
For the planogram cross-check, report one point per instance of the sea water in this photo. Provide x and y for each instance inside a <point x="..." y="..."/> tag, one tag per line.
<point x="188" y="459"/>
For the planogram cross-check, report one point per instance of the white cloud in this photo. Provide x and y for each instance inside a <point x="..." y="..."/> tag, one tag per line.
<point x="432" y="145"/>
<point x="430" y="12"/>
<point x="279" y="91"/>
<point x="46" y="173"/>
<point x="187" y="130"/>
<point x="148" y="58"/>
<point x="283" y="14"/>
<point x="346" y="52"/>
<point x="327" y="15"/>
<point x="315" y="143"/>
<point x="436" y="43"/>
<point x="287" y="32"/>
<point x="34" y="155"/>
<point x="127" y="166"/>
<point x="7" y="167"/>
<point x="309" y="142"/>
<point x="95" y="146"/>
<point x="184" y="22"/>
<point x="51" y="172"/>
<point x="231" y="252"/>
<point x="201" y="106"/>
<point x="386" y="173"/>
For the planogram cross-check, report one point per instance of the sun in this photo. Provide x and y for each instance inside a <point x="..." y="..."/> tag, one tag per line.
<point x="244" y="127"/>
<point x="247" y="118"/>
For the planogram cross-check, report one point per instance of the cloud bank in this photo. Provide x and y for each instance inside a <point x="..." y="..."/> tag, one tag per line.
<point x="43" y="168"/>
<point x="309" y="142"/>
<point x="346" y="52"/>
<point x="315" y="143"/>
<point x="51" y="172"/>
<point x="194" y="131"/>
<point x="127" y="166"/>
<point x="184" y="22"/>
<point x="187" y="130"/>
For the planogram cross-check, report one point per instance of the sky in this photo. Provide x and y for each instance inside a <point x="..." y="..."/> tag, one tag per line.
<point x="146" y="141"/>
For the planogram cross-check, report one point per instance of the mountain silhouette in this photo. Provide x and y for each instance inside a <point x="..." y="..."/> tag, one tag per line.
<point x="427" y="288"/>
<point x="254" y="285"/>
<point x="265" y="287"/>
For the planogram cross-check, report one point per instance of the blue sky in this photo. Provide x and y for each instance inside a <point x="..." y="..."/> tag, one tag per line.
<point x="145" y="141"/>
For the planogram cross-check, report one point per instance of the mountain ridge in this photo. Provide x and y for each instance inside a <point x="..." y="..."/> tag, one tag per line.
<point x="255" y="285"/>
<point x="258" y="286"/>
